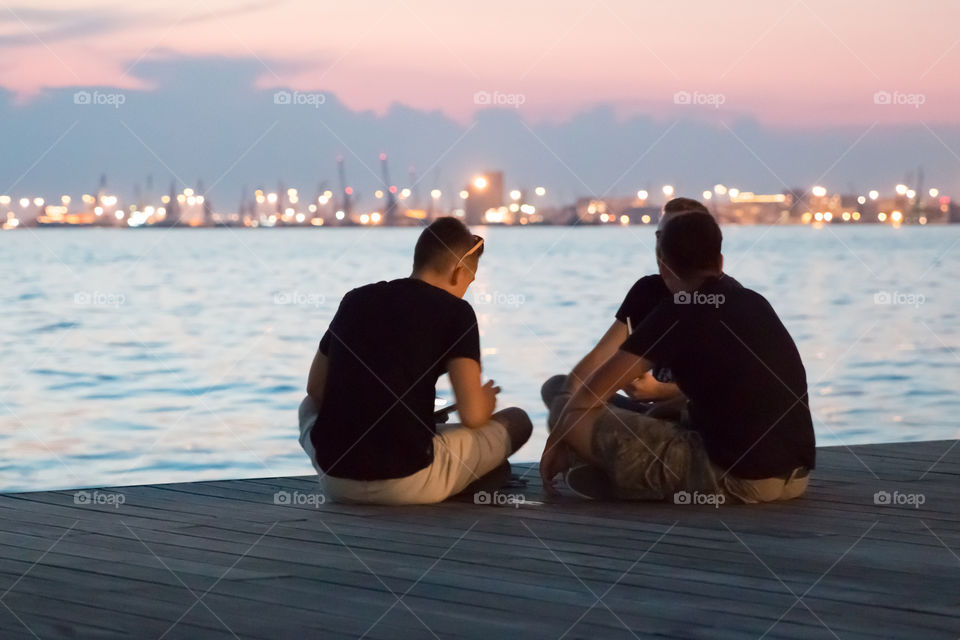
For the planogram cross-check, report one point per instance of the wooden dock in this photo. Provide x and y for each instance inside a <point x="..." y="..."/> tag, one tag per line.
<point x="263" y="559"/>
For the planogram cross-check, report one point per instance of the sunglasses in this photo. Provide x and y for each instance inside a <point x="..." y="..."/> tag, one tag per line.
<point x="478" y="246"/>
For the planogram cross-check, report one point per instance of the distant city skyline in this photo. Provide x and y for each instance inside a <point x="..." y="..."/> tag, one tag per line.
<point x="585" y="99"/>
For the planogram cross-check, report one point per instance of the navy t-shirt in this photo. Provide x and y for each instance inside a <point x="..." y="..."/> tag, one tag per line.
<point x="386" y="346"/>
<point x="735" y="361"/>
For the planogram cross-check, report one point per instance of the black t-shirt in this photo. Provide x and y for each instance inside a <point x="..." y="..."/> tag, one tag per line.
<point x="387" y="345"/>
<point x="643" y="297"/>
<point x="739" y="367"/>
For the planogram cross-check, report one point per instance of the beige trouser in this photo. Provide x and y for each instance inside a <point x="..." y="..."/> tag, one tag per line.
<point x="460" y="456"/>
<point x="765" y="489"/>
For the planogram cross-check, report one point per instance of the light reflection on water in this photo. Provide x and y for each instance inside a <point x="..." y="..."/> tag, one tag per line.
<point x="171" y="355"/>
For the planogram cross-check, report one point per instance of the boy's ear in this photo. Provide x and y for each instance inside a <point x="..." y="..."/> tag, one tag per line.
<point x="455" y="275"/>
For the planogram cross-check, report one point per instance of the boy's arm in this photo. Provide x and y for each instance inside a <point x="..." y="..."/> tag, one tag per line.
<point x="317" y="379"/>
<point x="572" y="426"/>
<point x="604" y="349"/>
<point x="475" y="400"/>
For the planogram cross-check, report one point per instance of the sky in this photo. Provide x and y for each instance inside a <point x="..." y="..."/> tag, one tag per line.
<point x="823" y="74"/>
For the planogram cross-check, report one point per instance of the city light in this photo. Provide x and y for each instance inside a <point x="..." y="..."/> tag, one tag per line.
<point x="340" y="215"/>
<point x="515" y="194"/>
<point x="540" y="191"/>
<point x="719" y="189"/>
<point x="645" y="219"/>
<point x="24" y="202"/>
<point x="828" y="216"/>
<point x="933" y="194"/>
<point x="874" y="194"/>
<point x="435" y="194"/>
<point x="624" y="220"/>
<point x="642" y="194"/>
<point x="896" y="216"/>
<point x="480" y="183"/>
<point x="882" y="216"/>
<point x="707" y="195"/>
<point x="911" y="194"/>
<point x="464" y="194"/>
<point x="668" y="190"/>
<point x="819" y="191"/>
<point x="375" y="217"/>
<point x="861" y="200"/>
<point x="901" y="189"/>
<point x="733" y="192"/>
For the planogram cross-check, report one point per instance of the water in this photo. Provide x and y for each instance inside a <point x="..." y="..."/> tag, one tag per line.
<point x="159" y="355"/>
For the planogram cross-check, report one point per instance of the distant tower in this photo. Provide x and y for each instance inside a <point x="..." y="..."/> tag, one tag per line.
<point x="172" y="218"/>
<point x="390" y="212"/>
<point x="414" y="189"/>
<point x="206" y="206"/>
<point x="485" y="191"/>
<point x="346" y="207"/>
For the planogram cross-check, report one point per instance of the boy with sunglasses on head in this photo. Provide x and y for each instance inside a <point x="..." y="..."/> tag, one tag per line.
<point x="368" y="421"/>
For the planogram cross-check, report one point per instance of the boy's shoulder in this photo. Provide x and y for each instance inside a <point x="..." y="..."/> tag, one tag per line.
<point x="404" y="291"/>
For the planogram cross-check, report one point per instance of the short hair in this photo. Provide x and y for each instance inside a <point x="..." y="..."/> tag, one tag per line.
<point x="442" y="244"/>
<point x="691" y="243"/>
<point x="684" y="205"/>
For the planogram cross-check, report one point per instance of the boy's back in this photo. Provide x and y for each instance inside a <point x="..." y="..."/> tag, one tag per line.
<point x="387" y="345"/>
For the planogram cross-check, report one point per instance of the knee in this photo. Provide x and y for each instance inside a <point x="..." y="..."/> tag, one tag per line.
<point x="552" y="388"/>
<point x="518" y="425"/>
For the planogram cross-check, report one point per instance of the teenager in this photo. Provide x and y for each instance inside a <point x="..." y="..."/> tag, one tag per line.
<point x="747" y="432"/>
<point x="656" y="386"/>
<point x="368" y="422"/>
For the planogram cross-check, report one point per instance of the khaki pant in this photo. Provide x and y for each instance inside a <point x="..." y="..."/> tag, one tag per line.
<point x="460" y="456"/>
<point x="651" y="459"/>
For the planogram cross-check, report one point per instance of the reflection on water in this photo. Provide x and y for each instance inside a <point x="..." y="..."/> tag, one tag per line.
<point x="172" y="355"/>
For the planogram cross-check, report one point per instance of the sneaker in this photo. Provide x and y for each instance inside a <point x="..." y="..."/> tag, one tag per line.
<point x="589" y="483"/>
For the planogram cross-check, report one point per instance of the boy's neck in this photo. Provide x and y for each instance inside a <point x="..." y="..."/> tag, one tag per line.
<point x="432" y="278"/>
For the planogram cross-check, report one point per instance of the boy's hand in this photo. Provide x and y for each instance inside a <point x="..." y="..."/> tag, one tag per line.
<point x="555" y="460"/>
<point x="490" y="391"/>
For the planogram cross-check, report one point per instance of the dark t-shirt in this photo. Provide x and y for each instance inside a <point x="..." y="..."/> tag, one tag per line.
<point x="741" y="371"/>
<point x="387" y="345"/>
<point x="643" y="297"/>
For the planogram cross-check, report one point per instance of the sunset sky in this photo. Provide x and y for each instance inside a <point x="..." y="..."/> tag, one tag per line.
<point x="808" y="63"/>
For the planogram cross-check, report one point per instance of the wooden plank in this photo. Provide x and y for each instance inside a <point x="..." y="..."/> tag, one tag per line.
<point x="528" y="572"/>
